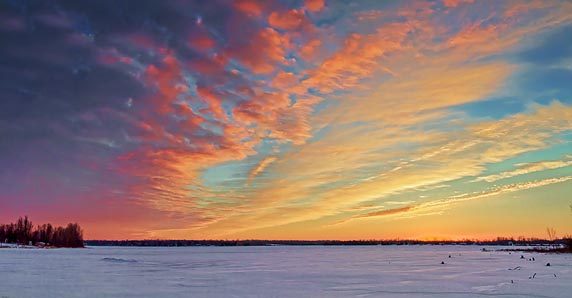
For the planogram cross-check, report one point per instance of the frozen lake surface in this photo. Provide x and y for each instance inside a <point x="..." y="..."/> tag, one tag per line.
<point x="282" y="271"/>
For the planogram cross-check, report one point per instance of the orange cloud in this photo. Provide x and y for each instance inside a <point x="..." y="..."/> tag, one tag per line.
<point x="203" y="42"/>
<point x="265" y="162"/>
<point x="215" y="103"/>
<point x="266" y="48"/>
<point x="165" y="78"/>
<point x="310" y="50"/>
<point x="455" y="3"/>
<point x="250" y="7"/>
<point x="476" y="34"/>
<point x="386" y="212"/>
<point x="289" y="20"/>
<point x="357" y="58"/>
<point x="284" y="80"/>
<point x="521" y="8"/>
<point x="314" y="5"/>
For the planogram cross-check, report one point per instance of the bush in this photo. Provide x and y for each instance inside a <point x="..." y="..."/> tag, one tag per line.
<point x="568" y="244"/>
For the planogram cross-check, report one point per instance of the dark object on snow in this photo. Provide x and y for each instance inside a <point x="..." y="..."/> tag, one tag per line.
<point x="547" y="264"/>
<point x="449" y="256"/>
<point x="533" y="259"/>
<point x="442" y="263"/>
<point x="511" y="281"/>
<point x="522" y="257"/>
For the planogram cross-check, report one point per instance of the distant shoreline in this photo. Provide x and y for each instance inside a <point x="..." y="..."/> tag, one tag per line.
<point x="177" y="243"/>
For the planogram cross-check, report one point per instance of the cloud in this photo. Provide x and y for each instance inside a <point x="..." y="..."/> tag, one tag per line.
<point x="250" y="7"/>
<point x="357" y="58"/>
<point x="437" y="205"/>
<point x="261" y="53"/>
<point x="387" y="212"/>
<point x="265" y="162"/>
<point x="289" y="20"/>
<point x="350" y="163"/>
<point x="526" y="168"/>
<point x="331" y="160"/>
<point x="203" y="42"/>
<point x="496" y="191"/>
<point x="455" y="3"/>
<point x="355" y="102"/>
<point x="314" y="5"/>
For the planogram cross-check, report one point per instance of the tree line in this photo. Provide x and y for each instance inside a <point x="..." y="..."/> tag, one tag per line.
<point x="24" y="232"/>
<point x="501" y="241"/>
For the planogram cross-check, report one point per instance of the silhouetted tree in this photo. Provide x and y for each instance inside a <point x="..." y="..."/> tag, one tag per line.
<point x="3" y="235"/>
<point x="45" y="233"/>
<point x="74" y="235"/>
<point x="10" y="233"/>
<point x="23" y="232"/>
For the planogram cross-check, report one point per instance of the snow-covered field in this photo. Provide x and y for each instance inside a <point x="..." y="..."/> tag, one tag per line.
<point x="282" y="271"/>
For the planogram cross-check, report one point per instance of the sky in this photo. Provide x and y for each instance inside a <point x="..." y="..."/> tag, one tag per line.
<point x="315" y="119"/>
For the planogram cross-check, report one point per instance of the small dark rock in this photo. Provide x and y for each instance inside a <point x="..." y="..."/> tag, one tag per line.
<point x="442" y="263"/>
<point x="547" y="264"/>
<point x="522" y="257"/>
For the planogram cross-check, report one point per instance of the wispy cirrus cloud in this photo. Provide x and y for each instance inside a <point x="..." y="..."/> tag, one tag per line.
<point x="526" y="168"/>
<point x="444" y="204"/>
<point x="452" y="156"/>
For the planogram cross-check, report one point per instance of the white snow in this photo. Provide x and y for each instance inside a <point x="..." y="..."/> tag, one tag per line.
<point x="13" y="245"/>
<point x="282" y="271"/>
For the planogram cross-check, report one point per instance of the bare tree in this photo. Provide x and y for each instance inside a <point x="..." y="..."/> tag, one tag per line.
<point x="551" y="233"/>
<point x="24" y="230"/>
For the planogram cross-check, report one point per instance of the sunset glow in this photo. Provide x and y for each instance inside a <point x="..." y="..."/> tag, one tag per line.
<point x="314" y="119"/>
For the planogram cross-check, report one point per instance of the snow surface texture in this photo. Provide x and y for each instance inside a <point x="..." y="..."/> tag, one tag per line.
<point x="282" y="271"/>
